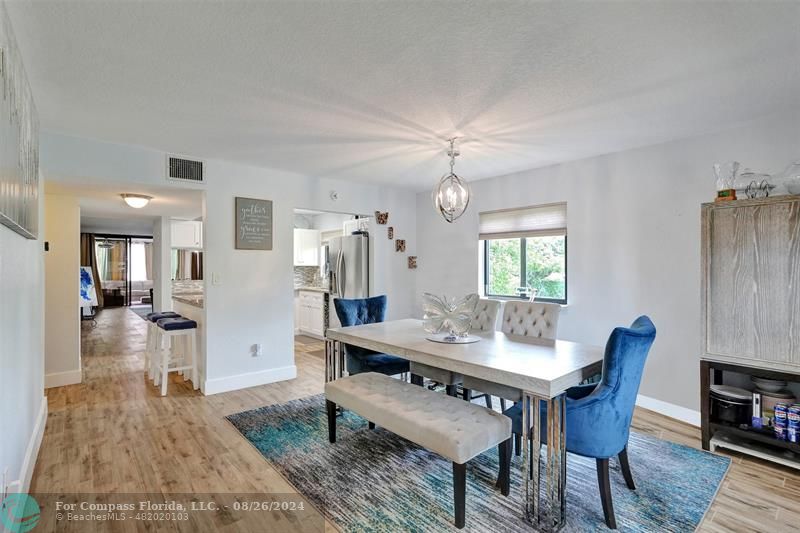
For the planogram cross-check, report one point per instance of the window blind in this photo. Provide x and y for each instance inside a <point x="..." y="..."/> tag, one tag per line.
<point x="536" y="221"/>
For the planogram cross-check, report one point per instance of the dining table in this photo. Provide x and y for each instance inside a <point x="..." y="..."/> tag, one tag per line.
<point x="542" y="370"/>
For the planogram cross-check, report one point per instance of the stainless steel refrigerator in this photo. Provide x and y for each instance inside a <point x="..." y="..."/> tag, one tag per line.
<point x="348" y="267"/>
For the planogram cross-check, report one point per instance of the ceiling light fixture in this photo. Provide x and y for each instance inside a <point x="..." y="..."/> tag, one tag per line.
<point x="451" y="196"/>
<point x="136" y="201"/>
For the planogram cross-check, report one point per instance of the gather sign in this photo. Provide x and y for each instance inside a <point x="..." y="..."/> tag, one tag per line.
<point x="253" y="224"/>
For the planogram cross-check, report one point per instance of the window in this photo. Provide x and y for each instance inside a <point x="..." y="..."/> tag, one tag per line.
<point x="525" y="250"/>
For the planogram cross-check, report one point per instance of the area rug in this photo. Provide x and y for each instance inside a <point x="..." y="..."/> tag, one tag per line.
<point x="142" y="310"/>
<point x="375" y="481"/>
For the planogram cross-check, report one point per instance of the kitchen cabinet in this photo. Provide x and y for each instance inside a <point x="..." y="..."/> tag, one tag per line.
<point x="306" y="247"/>
<point x="186" y="234"/>
<point x="310" y="313"/>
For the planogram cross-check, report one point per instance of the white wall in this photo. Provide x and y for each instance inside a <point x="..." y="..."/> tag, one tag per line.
<point x="633" y="239"/>
<point x="162" y="264"/>
<point x="330" y="221"/>
<point x="23" y="408"/>
<point x="253" y="302"/>
<point x="62" y="314"/>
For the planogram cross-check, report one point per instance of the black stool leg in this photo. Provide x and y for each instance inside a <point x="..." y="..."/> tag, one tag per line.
<point x="451" y="390"/>
<point x="330" y="409"/>
<point x="517" y="444"/>
<point x="605" y="493"/>
<point x="626" y="468"/>
<point x="467" y="395"/>
<point x="488" y="400"/>
<point x="417" y="380"/>
<point x="460" y="492"/>
<point x="503" y="404"/>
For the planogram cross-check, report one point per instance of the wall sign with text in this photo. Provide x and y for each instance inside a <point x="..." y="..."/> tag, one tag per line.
<point x="253" y="224"/>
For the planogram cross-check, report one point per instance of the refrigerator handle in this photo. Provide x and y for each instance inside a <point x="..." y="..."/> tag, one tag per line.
<point x="339" y="276"/>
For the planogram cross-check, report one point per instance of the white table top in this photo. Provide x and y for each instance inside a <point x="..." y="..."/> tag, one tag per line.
<point x="544" y="368"/>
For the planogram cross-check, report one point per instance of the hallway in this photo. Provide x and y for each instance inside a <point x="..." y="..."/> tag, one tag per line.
<point x="115" y="433"/>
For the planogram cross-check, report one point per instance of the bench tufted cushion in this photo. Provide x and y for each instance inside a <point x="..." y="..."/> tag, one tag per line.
<point x="155" y="317"/>
<point x="176" y="323"/>
<point x="453" y="428"/>
<point x="531" y="319"/>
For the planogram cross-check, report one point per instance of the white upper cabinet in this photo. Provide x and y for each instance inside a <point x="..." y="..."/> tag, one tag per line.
<point x="306" y="247"/>
<point x="187" y="234"/>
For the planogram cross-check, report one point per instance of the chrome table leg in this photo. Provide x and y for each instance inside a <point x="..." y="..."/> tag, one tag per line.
<point x="546" y="510"/>
<point x="334" y="360"/>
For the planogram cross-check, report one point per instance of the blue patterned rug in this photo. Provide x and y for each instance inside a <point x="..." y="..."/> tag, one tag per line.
<point x="375" y="481"/>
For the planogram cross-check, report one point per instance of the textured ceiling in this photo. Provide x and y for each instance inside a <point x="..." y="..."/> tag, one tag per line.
<point x="369" y="91"/>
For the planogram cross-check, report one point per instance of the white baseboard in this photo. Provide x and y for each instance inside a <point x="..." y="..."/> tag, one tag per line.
<point x="669" y="409"/>
<point x="32" y="452"/>
<point x="60" y="379"/>
<point x="252" y="379"/>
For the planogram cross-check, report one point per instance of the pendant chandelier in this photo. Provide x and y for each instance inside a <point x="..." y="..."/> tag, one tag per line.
<point x="451" y="196"/>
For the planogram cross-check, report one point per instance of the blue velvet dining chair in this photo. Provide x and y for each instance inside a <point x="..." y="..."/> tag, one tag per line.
<point x="358" y="311"/>
<point x="598" y="415"/>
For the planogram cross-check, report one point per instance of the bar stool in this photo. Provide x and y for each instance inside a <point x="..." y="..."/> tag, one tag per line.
<point x="152" y="335"/>
<point x="173" y="332"/>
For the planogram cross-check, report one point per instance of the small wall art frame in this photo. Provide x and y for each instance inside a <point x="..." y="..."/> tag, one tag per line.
<point x="400" y="245"/>
<point x="253" y="224"/>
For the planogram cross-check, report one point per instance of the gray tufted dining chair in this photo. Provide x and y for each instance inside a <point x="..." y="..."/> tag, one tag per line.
<point x="484" y="319"/>
<point x="526" y="319"/>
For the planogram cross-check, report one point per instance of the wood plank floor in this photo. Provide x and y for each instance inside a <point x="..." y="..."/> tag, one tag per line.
<point x="115" y="433"/>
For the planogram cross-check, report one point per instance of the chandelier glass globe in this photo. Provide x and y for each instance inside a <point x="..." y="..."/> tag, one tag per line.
<point x="451" y="196"/>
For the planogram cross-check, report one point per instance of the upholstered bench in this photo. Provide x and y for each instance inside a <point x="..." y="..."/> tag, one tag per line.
<point x="454" y="429"/>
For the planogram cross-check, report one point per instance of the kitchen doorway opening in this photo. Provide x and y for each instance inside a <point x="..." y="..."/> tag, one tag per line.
<point x="332" y="259"/>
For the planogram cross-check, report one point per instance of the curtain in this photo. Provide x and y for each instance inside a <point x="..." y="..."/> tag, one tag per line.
<point x="116" y="261"/>
<point x="89" y="258"/>
<point x="197" y="265"/>
<point x="536" y="221"/>
<point x="148" y="260"/>
<point x="180" y="266"/>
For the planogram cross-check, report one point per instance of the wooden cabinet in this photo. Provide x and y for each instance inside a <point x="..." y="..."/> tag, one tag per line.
<point x="751" y="282"/>
<point x="186" y="234"/>
<point x="310" y="313"/>
<point x="306" y="247"/>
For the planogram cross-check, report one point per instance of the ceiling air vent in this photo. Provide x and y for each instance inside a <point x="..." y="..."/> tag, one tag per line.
<point x="186" y="170"/>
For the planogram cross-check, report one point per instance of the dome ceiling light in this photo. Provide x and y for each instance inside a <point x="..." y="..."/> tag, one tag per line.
<point x="136" y="201"/>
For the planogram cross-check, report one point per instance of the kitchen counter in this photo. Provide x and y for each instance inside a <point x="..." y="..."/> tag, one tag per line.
<point x="312" y="289"/>
<point x="195" y="300"/>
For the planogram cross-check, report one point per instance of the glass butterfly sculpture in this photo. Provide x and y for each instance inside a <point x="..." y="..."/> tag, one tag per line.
<point x="450" y="316"/>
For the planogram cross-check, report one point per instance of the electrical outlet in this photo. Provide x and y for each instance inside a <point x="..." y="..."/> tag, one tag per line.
<point x="258" y="350"/>
<point x="216" y="279"/>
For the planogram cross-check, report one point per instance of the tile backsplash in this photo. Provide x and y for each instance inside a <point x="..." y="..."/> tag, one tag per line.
<point x="307" y="276"/>
<point x="187" y="286"/>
